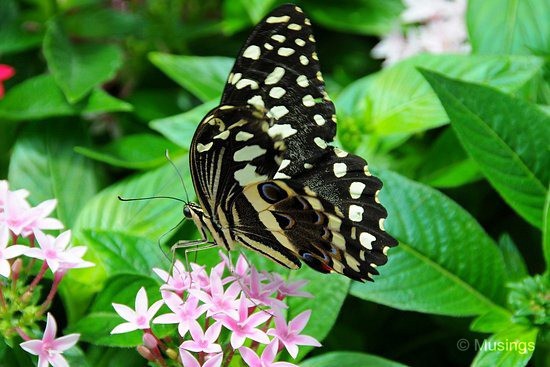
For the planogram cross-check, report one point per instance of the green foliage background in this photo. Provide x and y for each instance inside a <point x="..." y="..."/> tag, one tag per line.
<point x="461" y="142"/>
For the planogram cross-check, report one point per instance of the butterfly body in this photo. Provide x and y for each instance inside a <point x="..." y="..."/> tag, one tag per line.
<point x="264" y="172"/>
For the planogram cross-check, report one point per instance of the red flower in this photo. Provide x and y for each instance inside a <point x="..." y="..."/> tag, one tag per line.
<point x="6" y="72"/>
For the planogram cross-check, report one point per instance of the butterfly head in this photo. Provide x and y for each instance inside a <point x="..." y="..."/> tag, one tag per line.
<point x="192" y="210"/>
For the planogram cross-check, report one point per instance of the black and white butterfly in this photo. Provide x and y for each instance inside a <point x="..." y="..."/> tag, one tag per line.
<point x="264" y="172"/>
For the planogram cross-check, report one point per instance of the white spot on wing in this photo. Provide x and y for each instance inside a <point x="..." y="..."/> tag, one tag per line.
<point x="247" y="175"/>
<point x="283" y="131"/>
<point x="276" y="92"/>
<point x="355" y="213"/>
<point x="223" y="135"/>
<point x="243" y="136"/>
<point x="256" y="101"/>
<point x="252" y="52"/>
<point x="340" y="169"/>
<point x="300" y="42"/>
<point x="308" y="100"/>
<point x="304" y="60"/>
<point x="279" y="38"/>
<point x="366" y="170"/>
<point x="285" y="51"/>
<point x="294" y="27"/>
<point x="340" y="153"/>
<point x="366" y="240"/>
<point x="356" y="189"/>
<point x="281" y="19"/>
<point x="204" y="147"/>
<point x="302" y="81"/>
<point x="247" y="83"/>
<point x="268" y="46"/>
<point x="308" y="165"/>
<point x="236" y="78"/>
<point x="319" y="120"/>
<point x="275" y="76"/>
<point x="277" y="112"/>
<point x="320" y="142"/>
<point x="248" y="153"/>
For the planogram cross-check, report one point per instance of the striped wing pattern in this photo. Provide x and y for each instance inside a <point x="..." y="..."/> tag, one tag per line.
<point x="264" y="172"/>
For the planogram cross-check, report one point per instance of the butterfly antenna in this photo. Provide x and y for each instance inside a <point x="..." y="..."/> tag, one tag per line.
<point x="150" y="197"/>
<point x="179" y="175"/>
<point x="170" y="258"/>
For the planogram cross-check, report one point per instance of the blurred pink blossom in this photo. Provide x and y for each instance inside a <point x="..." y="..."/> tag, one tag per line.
<point x="49" y="349"/>
<point x="266" y="360"/>
<point x="6" y="72"/>
<point x="8" y="252"/>
<point x="22" y="219"/>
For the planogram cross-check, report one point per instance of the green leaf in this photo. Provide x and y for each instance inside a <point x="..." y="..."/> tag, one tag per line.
<point x="23" y="103"/>
<point x="427" y="271"/>
<point x="349" y="359"/>
<point x="44" y="163"/>
<point x="447" y="164"/>
<point x="399" y="100"/>
<point x="507" y="137"/>
<point x="546" y="232"/>
<point x="243" y="13"/>
<point x="122" y="253"/>
<point x="181" y="128"/>
<point x="516" y="269"/>
<point x="492" y="321"/>
<point x="509" y="26"/>
<point x="77" y="69"/>
<point x="100" y="23"/>
<point x="95" y="328"/>
<point x="203" y="76"/>
<point x="147" y="218"/>
<point x="370" y="17"/>
<point x="128" y="152"/>
<point x="511" y="347"/>
<point x="122" y="288"/>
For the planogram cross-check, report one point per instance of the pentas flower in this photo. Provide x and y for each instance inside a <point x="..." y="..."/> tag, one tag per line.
<point x="6" y="72"/>
<point x="140" y="318"/>
<point x="56" y="253"/>
<point x="289" y="334"/>
<point x="6" y="252"/>
<point x="433" y="26"/>
<point x="22" y="219"/>
<point x="267" y="358"/>
<point x="218" y="312"/>
<point x="49" y="349"/>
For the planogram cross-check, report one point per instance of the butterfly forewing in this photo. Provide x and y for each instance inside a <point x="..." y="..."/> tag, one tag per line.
<point x="264" y="171"/>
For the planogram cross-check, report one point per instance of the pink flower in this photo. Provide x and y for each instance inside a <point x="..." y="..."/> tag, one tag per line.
<point x="4" y="192"/>
<point x="219" y="300"/>
<point x="184" y="313"/>
<point x="244" y="326"/>
<point x="190" y="361"/>
<point x="179" y="281"/>
<point x="6" y="72"/>
<point x="49" y="349"/>
<point x="203" y="341"/>
<point x="22" y="219"/>
<point x="138" y="319"/>
<point x="6" y="252"/>
<point x="259" y="292"/>
<point x="55" y="252"/>
<point x="289" y="334"/>
<point x="267" y="358"/>
<point x="285" y="289"/>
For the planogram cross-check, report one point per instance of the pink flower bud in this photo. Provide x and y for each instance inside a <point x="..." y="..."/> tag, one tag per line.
<point x="145" y="353"/>
<point x="149" y="341"/>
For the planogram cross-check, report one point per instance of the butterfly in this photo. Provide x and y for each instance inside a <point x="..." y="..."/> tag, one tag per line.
<point x="263" y="170"/>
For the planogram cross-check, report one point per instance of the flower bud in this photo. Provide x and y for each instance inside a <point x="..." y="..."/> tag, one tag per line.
<point x="16" y="268"/>
<point x="172" y="354"/>
<point x="149" y="341"/>
<point x="145" y="353"/>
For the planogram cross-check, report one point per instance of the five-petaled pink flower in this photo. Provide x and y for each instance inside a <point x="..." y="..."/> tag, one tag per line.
<point x="184" y="312"/>
<point x="218" y="300"/>
<point x="22" y="219"/>
<point x="49" y="349"/>
<point x="6" y="252"/>
<point x="190" y="361"/>
<point x="289" y="334"/>
<point x="140" y="318"/>
<point x="245" y="325"/>
<point x="267" y="358"/>
<point x="203" y="341"/>
<point x="6" y="72"/>
<point x="55" y="252"/>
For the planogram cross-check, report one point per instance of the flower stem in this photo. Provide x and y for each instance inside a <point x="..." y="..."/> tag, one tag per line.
<point x="58" y="276"/>
<point x="3" y="299"/>
<point x="36" y="280"/>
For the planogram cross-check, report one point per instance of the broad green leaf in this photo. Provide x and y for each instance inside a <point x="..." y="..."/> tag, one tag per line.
<point x="509" y="26"/>
<point x="242" y="13"/>
<point x="94" y="328"/>
<point x="44" y="163"/>
<point x="370" y="17"/>
<point x="78" y="68"/>
<point x="492" y="321"/>
<point x="76" y="357"/>
<point x="427" y="271"/>
<point x="180" y="128"/>
<point x="128" y="152"/>
<point x="113" y="357"/>
<point x="203" y="76"/>
<point x="516" y="269"/>
<point x="506" y="136"/>
<point x="399" y="100"/>
<point x="146" y="218"/>
<point x="102" y="22"/>
<point x="22" y="102"/>
<point x="122" y="288"/>
<point x="546" y="231"/>
<point x="511" y="347"/>
<point x="157" y="103"/>
<point x="447" y="164"/>
<point x="348" y="359"/>
<point x="14" y="37"/>
<point x="122" y="253"/>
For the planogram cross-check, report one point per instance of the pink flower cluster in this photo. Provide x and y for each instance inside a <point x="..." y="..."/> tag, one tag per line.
<point x="19" y="220"/>
<point x="218" y="315"/>
<point x="433" y="26"/>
